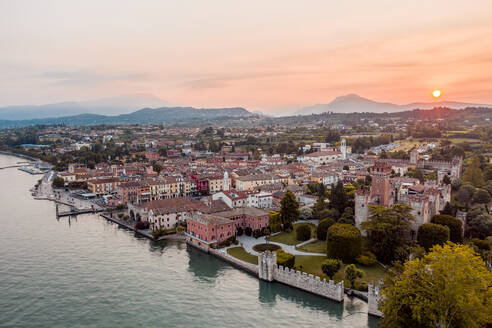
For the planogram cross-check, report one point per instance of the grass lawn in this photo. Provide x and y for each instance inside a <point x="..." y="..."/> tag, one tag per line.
<point x="240" y="253"/>
<point x="289" y="238"/>
<point x="312" y="264"/>
<point x="317" y="246"/>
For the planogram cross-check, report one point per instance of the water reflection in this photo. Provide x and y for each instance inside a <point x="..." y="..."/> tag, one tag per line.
<point x="204" y="266"/>
<point x="270" y="291"/>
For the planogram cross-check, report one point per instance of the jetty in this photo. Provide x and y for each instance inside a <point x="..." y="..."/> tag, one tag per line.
<point x="74" y="211"/>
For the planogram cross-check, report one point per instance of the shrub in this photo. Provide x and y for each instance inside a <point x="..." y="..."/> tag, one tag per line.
<point x="367" y="259"/>
<point x="120" y="215"/>
<point x="248" y="231"/>
<point x="306" y="212"/>
<point x="481" y="244"/>
<point x="266" y="247"/>
<point x="142" y="225"/>
<point x="257" y="233"/>
<point x="235" y="242"/>
<point x="303" y="232"/>
<point x="322" y="228"/>
<point x="352" y="273"/>
<point x="180" y="228"/>
<point x="285" y="259"/>
<point x="430" y="234"/>
<point x="361" y="286"/>
<point x="343" y="241"/>
<point x="330" y="267"/>
<point x="239" y="231"/>
<point x="455" y="226"/>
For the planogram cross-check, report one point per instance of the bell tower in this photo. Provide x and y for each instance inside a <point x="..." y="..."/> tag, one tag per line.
<point x="380" y="189"/>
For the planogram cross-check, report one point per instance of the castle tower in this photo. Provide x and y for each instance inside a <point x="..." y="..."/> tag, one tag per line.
<point x="267" y="264"/>
<point x="380" y="189"/>
<point x="362" y="199"/>
<point x="343" y="149"/>
<point x="373" y="298"/>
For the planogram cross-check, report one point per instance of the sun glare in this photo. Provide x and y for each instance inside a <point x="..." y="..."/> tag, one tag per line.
<point x="436" y="93"/>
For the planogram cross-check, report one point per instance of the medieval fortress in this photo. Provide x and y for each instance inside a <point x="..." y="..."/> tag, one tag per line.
<point x="426" y="200"/>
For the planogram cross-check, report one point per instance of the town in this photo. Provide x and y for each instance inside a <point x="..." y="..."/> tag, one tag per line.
<point x="339" y="204"/>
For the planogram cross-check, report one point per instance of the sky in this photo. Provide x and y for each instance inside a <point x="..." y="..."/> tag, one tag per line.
<point x="270" y="55"/>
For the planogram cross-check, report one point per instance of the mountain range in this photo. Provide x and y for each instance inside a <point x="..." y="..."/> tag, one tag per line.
<point x="142" y="116"/>
<point x="354" y="103"/>
<point x="106" y="106"/>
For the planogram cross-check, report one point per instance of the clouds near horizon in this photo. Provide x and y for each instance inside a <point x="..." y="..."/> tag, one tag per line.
<point x="261" y="55"/>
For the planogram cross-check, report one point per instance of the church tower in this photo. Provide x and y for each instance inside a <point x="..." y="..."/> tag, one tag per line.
<point x="226" y="184"/>
<point x="343" y="149"/>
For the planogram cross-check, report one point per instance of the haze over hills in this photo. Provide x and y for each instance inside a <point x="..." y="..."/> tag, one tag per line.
<point x="106" y="106"/>
<point x="142" y="116"/>
<point x="354" y="103"/>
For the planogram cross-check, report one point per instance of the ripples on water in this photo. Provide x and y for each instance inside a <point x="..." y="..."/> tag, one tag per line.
<point x="87" y="272"/>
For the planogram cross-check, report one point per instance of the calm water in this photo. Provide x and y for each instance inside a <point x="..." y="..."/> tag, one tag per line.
<point x="87" y="272"/>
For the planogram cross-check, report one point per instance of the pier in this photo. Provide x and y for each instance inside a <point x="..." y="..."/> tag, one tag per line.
<point x="74" y="211"/>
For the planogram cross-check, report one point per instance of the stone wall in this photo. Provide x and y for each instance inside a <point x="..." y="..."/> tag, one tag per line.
<point x="373" y="299"/>
<point x="269" y="271"/>
<point x="310" y="283"/>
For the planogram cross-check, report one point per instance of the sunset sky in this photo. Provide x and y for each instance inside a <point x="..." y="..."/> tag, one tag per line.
<point x="263" y="55"/>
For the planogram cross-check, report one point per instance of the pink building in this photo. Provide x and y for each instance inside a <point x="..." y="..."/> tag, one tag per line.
<point x="245" y="217"/>
<point x="205" y="230"/>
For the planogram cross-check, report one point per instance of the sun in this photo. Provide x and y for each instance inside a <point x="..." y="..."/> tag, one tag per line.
<point x="436" y="93"/>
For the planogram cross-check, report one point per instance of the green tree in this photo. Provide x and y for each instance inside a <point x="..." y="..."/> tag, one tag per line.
<point x="330" y="267"/>
<point x="430" y="234"/>
<point x="344" y="242"/>
<point x="473" y="174"/>
<point x="455" y="226"/>
<point x="465" y="193"/>
<point x="58" y="182"/>
<point x="306" y="213"/>
<point x="347" y="216"/>
<point x="352" y="273"/>
<point x="289" y="210"/>
<point x="481" y="196"/>
<point x="448" y="287"/>
<point x="446" y="180"/>
<point x="275" y="222"/>
<point x="388" y="232"/>
<point x="322" y="228"/>
<point x="479" y="226"/>
<point x="303" y="232"/>
<point x="338" y="197"/>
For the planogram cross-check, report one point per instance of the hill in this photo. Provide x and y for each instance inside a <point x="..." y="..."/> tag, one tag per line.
<point x="142" y="116"/>
<point x="353" y="103"/>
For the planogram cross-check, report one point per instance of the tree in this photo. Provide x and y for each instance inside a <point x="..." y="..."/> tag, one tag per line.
<point x="275" y="222"/>
<point x="347" y="216"/>
<point x="58" y="182"/>
<point x="319" y="207"/>
<point x="352" y="273"/>
<point x="306" y="213"/>
<point x="344" y="242"/>
<point x="389" y="231"/>
<point x="338" y="197"/>
<point x="285" y="259"/>
<point x="473" y="174"/>
<point x="448" y="287"/>
<point x="303" y="232"/>
<point x="448" y="209"/>
<point x="481" y="196"/>
<point x="330" y="267"/>
<point x="289" y="210"/>
<point x="322" y="228"/>
<point x="455" y="226"/>
<point x="157" y="167"/>
<point x="479" y="226"/>
<point x="446" y="180"/>
<point x="465" y="193"/>
<point x="430" y="234"/>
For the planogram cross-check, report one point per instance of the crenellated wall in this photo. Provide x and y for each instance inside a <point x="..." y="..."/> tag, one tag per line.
<point x="310" y="283"/>
<point x="373" y="299"/>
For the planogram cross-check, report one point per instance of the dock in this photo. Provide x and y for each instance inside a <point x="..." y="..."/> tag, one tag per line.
<point x="74" y="211"/>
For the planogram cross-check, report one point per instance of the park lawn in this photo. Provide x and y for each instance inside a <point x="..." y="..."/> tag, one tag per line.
<point x="289" y="238"/>
<point x="312" y="264"/>
<point x="241" y="254"/>
<point x="317" y="246"/>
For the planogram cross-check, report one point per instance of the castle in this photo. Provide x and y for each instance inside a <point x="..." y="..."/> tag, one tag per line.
<point x="426" y="200"/>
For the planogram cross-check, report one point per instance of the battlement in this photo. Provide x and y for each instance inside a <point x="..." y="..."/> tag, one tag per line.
<point x="373" y="298"/>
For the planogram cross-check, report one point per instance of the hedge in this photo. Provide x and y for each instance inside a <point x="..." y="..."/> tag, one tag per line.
<point x="455" y="226"/>
<point x="285" y="259"/>
<point x="430" y="234"/>
<point x="343" y="241"/>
